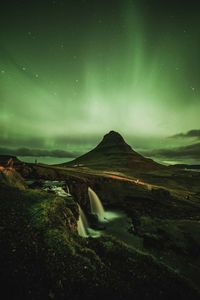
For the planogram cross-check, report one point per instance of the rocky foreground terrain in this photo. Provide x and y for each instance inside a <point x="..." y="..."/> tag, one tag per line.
<point x="43" y="257"/>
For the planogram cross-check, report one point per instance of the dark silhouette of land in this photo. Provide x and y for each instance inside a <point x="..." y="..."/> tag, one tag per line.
<point x="42" y="255"/>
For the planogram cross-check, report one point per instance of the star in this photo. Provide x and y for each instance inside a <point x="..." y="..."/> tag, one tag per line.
<point x="30" y="34"/>
<point x="24" y="68"/>
<point x="36" y="75"/>
<point x="3" y="71"/>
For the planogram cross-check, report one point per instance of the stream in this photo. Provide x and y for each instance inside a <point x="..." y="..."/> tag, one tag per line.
<point x="115" y="222"/>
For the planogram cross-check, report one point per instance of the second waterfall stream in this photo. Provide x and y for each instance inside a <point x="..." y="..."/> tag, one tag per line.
<point x="82" y="223"/>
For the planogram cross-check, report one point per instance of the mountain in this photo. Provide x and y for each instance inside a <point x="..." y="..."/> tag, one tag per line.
<point x="114" y="153"/>
<point x="186" y="166"/>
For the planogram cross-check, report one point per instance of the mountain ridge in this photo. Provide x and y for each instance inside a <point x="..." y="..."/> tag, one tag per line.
<point x="113" y="152"/>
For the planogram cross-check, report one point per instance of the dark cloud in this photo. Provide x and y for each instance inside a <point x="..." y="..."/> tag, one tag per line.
<point x="18" y="141"/>
<point x="189" y="152"/>
<point x="194" y="133"/>
<point x="37" y="152"/>
<point x="38" y="142"/>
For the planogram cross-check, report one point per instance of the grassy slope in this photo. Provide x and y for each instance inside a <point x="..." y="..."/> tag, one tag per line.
<point x="42" y="257"/>
<point x="179" y="251"/>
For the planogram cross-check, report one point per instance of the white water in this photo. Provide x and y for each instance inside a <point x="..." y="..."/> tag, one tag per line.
<point x="96" y="205"/>
<point x="82" y="223"/>
<point x="56" y="187"/>
<point x="98" y="209"/>
<point x="68" y="192"/>
<point x="57" y="190"/>
<point x="83" y="227"/>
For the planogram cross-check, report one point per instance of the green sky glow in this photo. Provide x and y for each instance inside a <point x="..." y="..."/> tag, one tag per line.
<point x="81" y="70"/>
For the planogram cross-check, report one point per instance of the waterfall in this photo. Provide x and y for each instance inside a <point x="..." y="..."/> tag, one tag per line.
<point x="96" y="205"/>
<point x="68" y="192"/>
<point x="82" y="223"/>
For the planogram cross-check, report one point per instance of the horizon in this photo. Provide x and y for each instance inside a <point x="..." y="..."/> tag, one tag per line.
<point x="163" y="156"/>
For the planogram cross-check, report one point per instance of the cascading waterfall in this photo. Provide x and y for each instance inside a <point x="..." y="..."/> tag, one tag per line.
<point x="68" y="192"/>
<point x="96" y="205"/>
<point x="82" y="223"/>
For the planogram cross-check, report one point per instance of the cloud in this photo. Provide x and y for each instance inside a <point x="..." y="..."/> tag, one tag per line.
<point x="63" y="141"/>
<point x="15" y="142"/>
<point x="194" y="133"/>
<point x="191" y="151"/>
<point x="37" y="152"/>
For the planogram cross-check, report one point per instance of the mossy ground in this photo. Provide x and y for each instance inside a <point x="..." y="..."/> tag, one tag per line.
<point x="42" y="257"/>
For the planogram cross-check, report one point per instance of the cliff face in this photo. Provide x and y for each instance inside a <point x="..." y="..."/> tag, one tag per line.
<point x="9" y="161"/>
<point x="11" y="177"/>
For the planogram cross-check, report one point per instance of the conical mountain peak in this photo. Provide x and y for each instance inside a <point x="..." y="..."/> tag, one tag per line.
<point x="112" y="138"/>
<point x="113" y="152"/>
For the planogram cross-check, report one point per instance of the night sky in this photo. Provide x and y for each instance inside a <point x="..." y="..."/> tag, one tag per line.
<point x="70" y="71"/>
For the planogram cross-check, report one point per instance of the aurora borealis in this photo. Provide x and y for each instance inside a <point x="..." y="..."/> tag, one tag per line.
<point x="70" y="71"/>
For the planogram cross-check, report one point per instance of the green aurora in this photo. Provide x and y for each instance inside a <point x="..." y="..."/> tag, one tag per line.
<point x="72" y="71"/>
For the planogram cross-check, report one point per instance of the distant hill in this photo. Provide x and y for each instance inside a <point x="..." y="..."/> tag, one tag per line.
<point x="114" y="153"/>
<point x="186" y="166"/>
